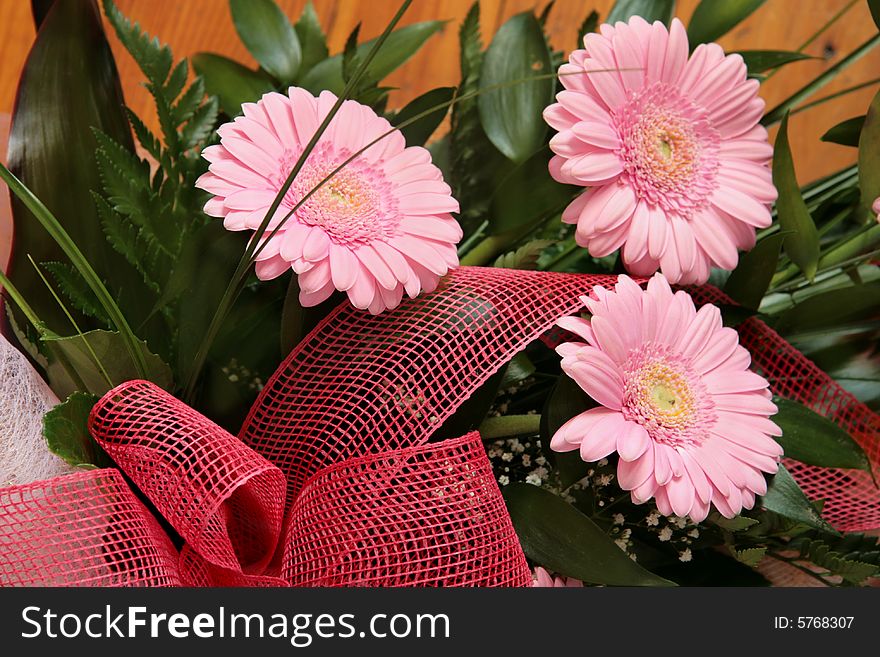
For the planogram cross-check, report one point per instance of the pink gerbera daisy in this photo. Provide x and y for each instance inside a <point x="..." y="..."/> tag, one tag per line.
<point x="541" y="578"/>
<point x="671" y="145"/>
<point x="378" y="228"/>
<point x="679" y="405"/>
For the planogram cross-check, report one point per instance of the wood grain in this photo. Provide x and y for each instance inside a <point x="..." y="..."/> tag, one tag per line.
<point x="190" y="26"/>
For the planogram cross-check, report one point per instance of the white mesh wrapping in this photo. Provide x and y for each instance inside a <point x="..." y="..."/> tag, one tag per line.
<point x="24" y="398"/>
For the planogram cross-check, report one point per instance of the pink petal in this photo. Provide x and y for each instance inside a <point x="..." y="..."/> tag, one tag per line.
<point x="602" y="438"/>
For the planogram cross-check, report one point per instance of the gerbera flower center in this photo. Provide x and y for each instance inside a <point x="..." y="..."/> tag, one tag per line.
<point x="669" y="149"/>
<point x="353" y="207"/>
<point x="664" y="395"/>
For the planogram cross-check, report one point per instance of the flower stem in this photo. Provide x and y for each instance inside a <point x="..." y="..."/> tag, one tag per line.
<point x="506" y="426"/>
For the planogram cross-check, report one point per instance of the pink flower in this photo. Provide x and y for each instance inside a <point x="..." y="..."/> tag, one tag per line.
<point x="678" y="403"/>
<point x="380" y="227"/>
<point x="543" y="579"/>
<point x="876" y="208"/>
<point x="671" y="146"/>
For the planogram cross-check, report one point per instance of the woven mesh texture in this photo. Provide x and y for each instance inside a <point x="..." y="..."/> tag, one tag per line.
<point x="334" y="458"/>
<point x="85" y="529"/>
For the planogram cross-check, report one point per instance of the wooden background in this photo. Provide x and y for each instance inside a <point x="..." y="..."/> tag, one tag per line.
<point x="191" y="26"/>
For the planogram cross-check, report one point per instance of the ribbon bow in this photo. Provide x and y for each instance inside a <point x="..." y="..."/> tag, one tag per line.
<point x="332" y="480"/>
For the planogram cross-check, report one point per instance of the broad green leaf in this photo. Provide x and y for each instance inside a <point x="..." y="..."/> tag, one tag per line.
<point x="759" y="61"/>
<point x="109" y="347"/>
<point x="510" y="108"/>
<point x="831" y="309"/>
<point x="556" y="535"/>
<point x="869" y="159"/>
<point x="650" y="10"/>
<point x="312" y="39"/>
<point x="786" y="498"/>
<point x="269" y="37"/>
<point x="733" y="315"/>
<point x="749" y="281"/>
<point x="232" y="83"/>
<point x="399" y="47"/>
<point x="565" y="401"/>
<point x="518" y="369"/>
<point x="802" y="245"/>
<point x="713" y="19"/>
<point x="527" y="194"/>
<point x="815" y="440"/>
<point x="419" y="131"/>
<point x="69" y="85"/>
<point x="846" y="133"/>
<point x="66" y="430"/>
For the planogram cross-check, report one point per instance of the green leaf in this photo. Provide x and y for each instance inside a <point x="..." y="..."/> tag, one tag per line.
<point x="846" y="133"/>
<point x="802" y="245"/>
<point x="518" y="369"/>
<point x="312" y="40"/>
<point x="561" y="538"/>
<point x="733" y="315"/>
<point x="525" y="257"/>
<point x="749" y="556"/>
<point x="749" y="281"/>
<point x="69" y="84"/>
<point x="510" y="108"/>
<point x="153" y="58"/>
<point x="590" y="24"/>
<point x="232" y="83"/>
<point x="815" y="440"/>
<point x="110" y="351"/>
<point x="397" y="49"/>
<point x="759" y="61"/>
<point x="66" y="430"/>
<point x="650" y="10"/>
<point x="419" y="131"/>
<point x="869" y="159"/>
<point x="526" y="195"/>
<point x="735" y="524"/>
<point x="831" y="309"/>
<point x="874" y="6"/>
<point x="565" y="401"/>
<point x="77" y="290"/>
<point x="712" y="19"/>
<point x="785" y="497"/>
<point x="269" y="37"/>
<point x="296" y="321"/>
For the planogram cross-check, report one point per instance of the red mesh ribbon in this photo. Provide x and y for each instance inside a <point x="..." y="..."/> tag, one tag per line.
<point x="332" y="481"/>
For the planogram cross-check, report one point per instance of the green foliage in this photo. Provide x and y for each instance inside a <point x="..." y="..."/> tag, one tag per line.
<point x="525" y="257"/>
<point x="749" y="556"/>
<point x="712" y="19"/>
<point x="558" y="536"/>
<point x="74" y="287"/>
<point x="749" y="281"/>
<point x="420" y="130"/>
<point x="650" y="10"/>
<point x="566" y="400"/>
<point x="802" y="245"/>
<point x="832" y="554"/>
<point x="785" y="498"/>
<point x="869" y="159"/>
<point x="268" y="36"/>
<point x="66" y="430"/>
<point x="846" y="133"/>
<point x="510" y="108"/>
<point x="230" y="82"/>
<point x="761" y="61"/>
<point x="312" y="40"/>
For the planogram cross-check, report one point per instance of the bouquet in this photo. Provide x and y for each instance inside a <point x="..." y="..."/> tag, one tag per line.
<point x="571" y="322"/>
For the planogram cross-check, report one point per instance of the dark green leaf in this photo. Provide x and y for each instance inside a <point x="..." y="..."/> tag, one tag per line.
<point x="815" y="440"/>
<point x="785" y="497"/>
<point x="154" y="59"/>
<point x="869" y="159"/>
<point x="874" y="6"/>
<point x="528" y="194"/>
<point x="749" y="281"/>
<point x="590" y="24"/>
<point x="232" y="83"/>
<point x="269" y="37"/>
<point x="650" y="10"/>
<point x="511" y="108"/>
<point x="735" y="524"/>
<point x="350" y="61"/>
<point x="846" y="133"/>
<point x="518" y="369"/>
<point x="565" y="401"/>
<point x="831" y="309"/>
<point x="759" y="61"/>
<point x="296" y="321"/>
<point x="556" y="535"/>
<point x="399" y="47"/>
<point x="733" y="315"/>
<point x="802" y="245"/>
<point x="713" y="19"/>
<point x="66" y="430"/>
<point x="69" y="84"/>
<point x="111" y="352"/>
<point x="418" y="132"/>
<point x="75" y="288"/>
<point x="312" y="40"/>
